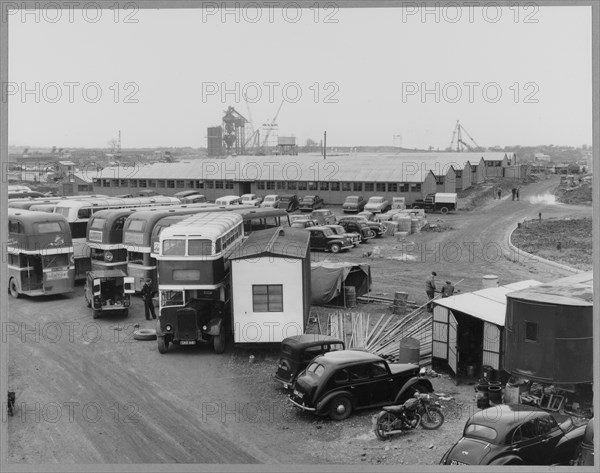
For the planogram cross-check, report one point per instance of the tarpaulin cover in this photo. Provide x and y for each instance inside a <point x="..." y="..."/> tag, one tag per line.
<point x="329" y="279"/>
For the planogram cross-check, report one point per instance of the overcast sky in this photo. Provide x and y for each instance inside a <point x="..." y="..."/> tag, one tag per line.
<point x="161" y="79"/>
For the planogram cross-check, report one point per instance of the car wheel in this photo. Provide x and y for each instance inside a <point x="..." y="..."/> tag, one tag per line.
<point x="219" y="343"/>
<point x="416" y="207"/>
<point x="14" y="290"/>
<point x="145" y="334"/>
<point x="340" y="408"/>
<point x="335" y="248"/>
<point x="163" y="344"/>
<point x="444" y="210"/>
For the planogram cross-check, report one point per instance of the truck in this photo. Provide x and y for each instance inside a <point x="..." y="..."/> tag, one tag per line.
<point x="443" y="202"/>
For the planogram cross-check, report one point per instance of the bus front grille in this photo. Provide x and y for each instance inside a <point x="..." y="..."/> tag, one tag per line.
<point x="187" y="327"/>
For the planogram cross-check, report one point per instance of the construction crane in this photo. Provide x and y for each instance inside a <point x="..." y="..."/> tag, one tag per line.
<point x="270" y="128"/>
<point x="254" y="133"/>
<point x="460" y="143"/>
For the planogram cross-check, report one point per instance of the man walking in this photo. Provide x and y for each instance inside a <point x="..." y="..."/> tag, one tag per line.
<point x="518" y="189"/>
<point x="147" y="294"/>
<point x="430" y="289"/>
<point x="499" y="193"/>
<point x="514" y="192"/>
<point x="447" y="289"/>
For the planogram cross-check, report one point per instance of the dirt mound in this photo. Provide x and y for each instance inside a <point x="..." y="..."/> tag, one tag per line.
<point x="580" y="193"/>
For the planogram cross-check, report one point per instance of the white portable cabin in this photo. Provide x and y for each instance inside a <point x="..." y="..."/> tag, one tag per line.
<point x="270" y="279"/>
<point x="479" y="315"/>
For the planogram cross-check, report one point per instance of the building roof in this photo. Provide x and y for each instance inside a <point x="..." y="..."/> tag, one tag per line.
<point x="486" y="304"/>
<point x="287" y="242"/>
<point x="576" y="290"/>
<point x="404" y="167"/>
<point x="84" y="176"/>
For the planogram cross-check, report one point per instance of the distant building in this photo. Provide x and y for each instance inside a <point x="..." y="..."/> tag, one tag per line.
<point x="77" y="183"/>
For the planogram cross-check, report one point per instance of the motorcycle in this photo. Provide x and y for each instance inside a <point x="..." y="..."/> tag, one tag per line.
<point x="418" y="410"/>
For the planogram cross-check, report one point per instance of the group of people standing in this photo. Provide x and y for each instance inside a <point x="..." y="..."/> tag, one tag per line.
<point x="430" y="288"/>
<point x="515" y="192"/>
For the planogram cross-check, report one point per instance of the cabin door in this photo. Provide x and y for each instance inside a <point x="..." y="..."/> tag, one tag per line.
<point x="452" y="344"/>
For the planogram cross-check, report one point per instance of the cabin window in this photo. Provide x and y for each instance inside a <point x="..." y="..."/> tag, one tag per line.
<point x="531" y="332"/>
<point x="302" y="186"/>
<point x="78" y="230"/>
<point x="392" y="187"/>
<point x="171" y="184"/>
<point x="98" y="223"/>
<point x="135" y="257"/>
<point x="171" y="298"/>
<point x="106" y="183"/>
<point x="210" y="184"/>
<point x="324" y="186"/>
<point x="151" y="183"/>
<point x="161" y="183"/>
<point x="115" y="182"/>
<point x="260" y="185"/>
<point x="13" y="260"/>
<point x="334" y="186"/>
<point x="179" y="184"/>
<point x="280" y="185"/>
<point x="369" y="186"/>
<point x="346" y="186"/>
<point x="199" y="185"/>
<point x="84" y="213"/>
<point x="380" y="187"/>
<point x="359" y="372"/>
<point x="267" y="298"/>
<point x="133" y="183"/>
<point x="189" y="184"/>
<point x="135" y="225"/>
<point x="403" y="187"/>
<point x="415" y="188"/>
<point x="312" y="186"/>
<point x="218" y="184"/>
<point x="357" y="187"/>
<point x="270" y="185"/>
<point x="292" y="185"/>
<point x="174" y="247"/>
<point x="143" y="183"/>
<point x="228" y="184"/>
<point x="379" y="370"/>
<point x="54" y="261"/>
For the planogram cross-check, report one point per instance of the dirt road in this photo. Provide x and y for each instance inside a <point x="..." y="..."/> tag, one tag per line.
<point x="88" y="393"/>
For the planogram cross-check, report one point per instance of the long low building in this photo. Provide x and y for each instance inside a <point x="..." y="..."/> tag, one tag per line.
<point x="407" y="175"/>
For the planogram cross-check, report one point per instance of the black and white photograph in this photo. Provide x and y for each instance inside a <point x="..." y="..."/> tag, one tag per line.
<point x="321" y="235"/>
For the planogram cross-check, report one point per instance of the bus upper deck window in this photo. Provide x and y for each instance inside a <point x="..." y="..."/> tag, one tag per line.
<point x="199" y="247"/>
<point x="84" y="213"/>
<point x="173" y="248"/>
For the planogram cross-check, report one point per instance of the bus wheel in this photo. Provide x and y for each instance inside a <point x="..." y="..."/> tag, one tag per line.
<point x="444" y="210"/>
<point x="163" y="344"/>
<point x="219" y="343"/>
<point x="14" y="290"/>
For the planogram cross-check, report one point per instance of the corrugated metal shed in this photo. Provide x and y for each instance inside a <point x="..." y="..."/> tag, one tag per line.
<point x="486" y="304"/>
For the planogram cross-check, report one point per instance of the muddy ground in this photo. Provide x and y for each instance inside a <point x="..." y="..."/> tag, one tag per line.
<point x="88" y="393"/>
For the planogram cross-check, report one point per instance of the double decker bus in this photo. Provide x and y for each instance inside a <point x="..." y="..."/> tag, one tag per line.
<point x="40" y="254"/>
<point x="142" y="229"/>
<point x="27" y="203"/>
<point x="262" y="218"/>
<point x="79" y="212"/>
<point x="194" y="279"/>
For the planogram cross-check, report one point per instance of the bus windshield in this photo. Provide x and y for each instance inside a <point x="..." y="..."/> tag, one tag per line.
<point x="199" y="247"/>
<point x="174" y="248"/>
<point x="47" y="227"/>
<point x="171" y="298"/>
<point x="98" y="223"/>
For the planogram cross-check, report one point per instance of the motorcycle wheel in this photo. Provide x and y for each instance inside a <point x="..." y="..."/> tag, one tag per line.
<point x="432" y="418"/>
<point x="385" y="423"/>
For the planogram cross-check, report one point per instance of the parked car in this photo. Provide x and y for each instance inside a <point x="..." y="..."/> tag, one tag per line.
<point x="298" y="351"/>
<point x="183" y="194"/>
<point x="516" y="434"/>
<point x="324" y="216"/>
<point x="355" y="238"/>
<point x="323" y="238"/>
<point x="340" y="382"/>
<point x="194" y="199"/>
<point x="271" y="200"/>
<point x="310" y="203"/>
<point x="398" y="203"/>
<point x="585" y="455"/>
<point x="377" y="204"/>
<point x="148" y="193"/>
<point x="362" y="229"/>
<point x="229" y="200"/>
<point x="360" y="221"/>
<point x="304" y="223"/>
<point x="108" y="292"/>
<point x="354" y="203"/>
<point x="251" y="199"/>
<point x="289" y="202"/>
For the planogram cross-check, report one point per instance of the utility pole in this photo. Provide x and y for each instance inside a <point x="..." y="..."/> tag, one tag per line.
<point x="325" y="145"/>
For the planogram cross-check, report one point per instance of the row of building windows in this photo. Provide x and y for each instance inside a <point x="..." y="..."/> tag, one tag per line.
<point x="266" y="185"/>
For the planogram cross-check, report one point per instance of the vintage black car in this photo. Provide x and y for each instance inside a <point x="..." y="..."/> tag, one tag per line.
<point x="323" y="238"/>
<point x="310" y="203"/>
<point x="354" y="203"/>
<point x="289" y="202"/>
<point x="298" y="351"/>
<point x="516" y="434"/>
<point x="354" y="223"/>
<point x="340" y="382"/>
<point x="341" y="232"/>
